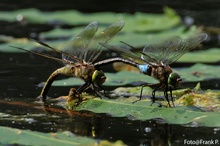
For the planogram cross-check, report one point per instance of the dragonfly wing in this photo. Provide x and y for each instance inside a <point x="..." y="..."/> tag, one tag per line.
<point x="57" y="50"/>
<point x="122" y="51"/>
<point x="171" y="49"/>
<point x="78" y="47"/>
<point x="103" y="37"/>
<point x="186" y="45"/>
<point x="159" y="51"/>
<point x="43" y="55"/>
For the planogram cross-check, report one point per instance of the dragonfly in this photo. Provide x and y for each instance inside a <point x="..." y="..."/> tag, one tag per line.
<point x="156" y="59"/>
<point x="79" y="58"/>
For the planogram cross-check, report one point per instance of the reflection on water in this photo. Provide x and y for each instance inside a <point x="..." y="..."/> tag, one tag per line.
<point x="31" y="115"/>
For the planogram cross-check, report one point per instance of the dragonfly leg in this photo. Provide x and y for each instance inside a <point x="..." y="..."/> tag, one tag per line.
<point x="142" y="87"/>
<point x="158" y="87"/>
<point x="166" y="95"/>
<point x="171" y="96"/>
<point x="153" y="97"/>
<point x="83" y="87"/>
<point x="96" y="92"/>
<point x="104" y="91"/>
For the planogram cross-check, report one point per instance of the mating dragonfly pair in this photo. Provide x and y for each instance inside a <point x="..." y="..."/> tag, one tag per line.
<point x="80" y="54"/>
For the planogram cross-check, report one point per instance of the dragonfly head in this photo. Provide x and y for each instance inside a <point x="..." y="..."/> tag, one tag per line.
<point x="98" y="77"/>
<point x="174" y="80"/>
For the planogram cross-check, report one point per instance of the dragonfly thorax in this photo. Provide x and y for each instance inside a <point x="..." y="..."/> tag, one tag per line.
<point x="83" y="71"/>
<point x="87" y="72"/>
<point x="160" y="73"/>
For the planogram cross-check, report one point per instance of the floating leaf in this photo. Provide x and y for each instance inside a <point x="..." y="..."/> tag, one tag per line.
<point x="200" y="72"/>
<point x="137" y="39"/>
<point x="204" y="110"/>
<point x="27" y="137"/>
<point x="28" y="45"/>
<point x="141" y="39"/>
<point x="141" y="21"/>
<point x="12" y="136"/>
<point x="113" y="79"/>
<point x="202" y="56"/>
<point x="147" y="91"/>
<point x="143" y="110"/>
<point x="5" y="47"/>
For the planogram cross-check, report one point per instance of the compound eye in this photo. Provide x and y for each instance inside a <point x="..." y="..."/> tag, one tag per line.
<point x="98" y="77"/>
<point x="102" y="80"/>
<point x="174" y="80"/>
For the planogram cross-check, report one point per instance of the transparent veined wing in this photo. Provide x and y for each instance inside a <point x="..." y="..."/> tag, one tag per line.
<point x="85" y="45"/>
<point x="185" y="46"/>
<point x="123" y="52"/>
<point x="153" y="54"/>
<point x="156" y="53"/>
<point x="103" y="37"/>
<point x="171" y="49"/>
<point x="79" y="46"/>
<point x="43" y="55"/>
<point x="59" y="51"/>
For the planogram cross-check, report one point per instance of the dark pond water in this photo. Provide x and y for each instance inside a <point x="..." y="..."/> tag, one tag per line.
<point x="20" y="75"/>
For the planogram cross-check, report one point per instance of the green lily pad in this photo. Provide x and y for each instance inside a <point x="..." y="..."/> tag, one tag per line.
<point x="144" y="31"/>
<point x="202" y="56"/>
<point x="203" y="112"/>
<point x="200" y="72"/>
<point x="27" y="137"/>
<point x="15" y="42"/>
<point x="144" y="111"/>
<point x="113" y="79"/>
<point x="12" y="136"/>
<point x="27" y="44"/>
<point x="141" y="21"/>
<point x="137" y="39"/>
<point x="142" y="38"/>
<point x="151" y="22"/>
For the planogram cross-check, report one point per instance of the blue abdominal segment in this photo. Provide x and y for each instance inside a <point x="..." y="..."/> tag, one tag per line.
<point x="144" y="68"/>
